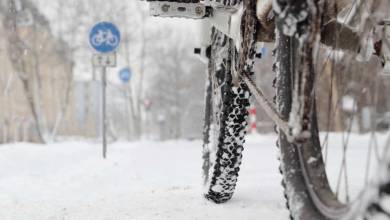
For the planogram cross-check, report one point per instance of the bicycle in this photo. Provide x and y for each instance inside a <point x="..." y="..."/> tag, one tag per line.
<point x="312" y="88"/>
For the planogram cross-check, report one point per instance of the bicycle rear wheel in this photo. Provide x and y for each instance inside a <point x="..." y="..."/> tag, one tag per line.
<point x="225" y="122"/>
<point x="319" y="176"/>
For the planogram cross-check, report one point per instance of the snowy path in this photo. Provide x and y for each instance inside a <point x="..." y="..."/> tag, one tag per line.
<point x="146" y="180"/>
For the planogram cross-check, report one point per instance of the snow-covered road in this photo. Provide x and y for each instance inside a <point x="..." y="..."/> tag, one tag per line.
<point x="144" y="180"/>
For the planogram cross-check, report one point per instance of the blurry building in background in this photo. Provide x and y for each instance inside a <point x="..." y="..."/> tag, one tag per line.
<point x="37" y="98"/>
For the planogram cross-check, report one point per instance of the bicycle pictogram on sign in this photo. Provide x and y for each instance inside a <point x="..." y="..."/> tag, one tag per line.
<point x="105" y="37"/>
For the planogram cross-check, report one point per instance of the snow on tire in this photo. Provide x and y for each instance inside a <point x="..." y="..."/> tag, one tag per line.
<point x="223" y="153"/>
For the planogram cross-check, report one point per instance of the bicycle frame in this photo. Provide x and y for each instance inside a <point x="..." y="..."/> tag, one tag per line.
<point x="229" y="22"/>
<point x="296" y="127"/>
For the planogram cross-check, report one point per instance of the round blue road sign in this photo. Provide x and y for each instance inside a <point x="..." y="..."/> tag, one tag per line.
<point x="105" y="37"/>
<point x="264" y="51"/>
<point x="125" y="75"/>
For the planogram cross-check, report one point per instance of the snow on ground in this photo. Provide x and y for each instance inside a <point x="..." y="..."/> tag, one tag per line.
<point x="152" y="180"/>
<point x="143" y="180"/>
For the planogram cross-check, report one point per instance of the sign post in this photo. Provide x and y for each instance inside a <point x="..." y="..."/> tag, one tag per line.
<point x="104" y="38"/>
<point x="125" y="77"/>
<point x="104" y="109"/>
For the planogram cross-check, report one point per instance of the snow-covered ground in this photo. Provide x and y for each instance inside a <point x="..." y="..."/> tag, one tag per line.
<point x="149" y="180"/>
<point x="144" y="180"/>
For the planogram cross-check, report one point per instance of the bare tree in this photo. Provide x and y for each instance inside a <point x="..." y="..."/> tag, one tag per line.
<point x="176" y="84"/>
<point x="28" y="54"/>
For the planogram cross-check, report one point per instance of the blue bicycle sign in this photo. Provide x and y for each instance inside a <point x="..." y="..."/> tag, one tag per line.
<point x="125" y="75"/>
<point x="105" y="37"/>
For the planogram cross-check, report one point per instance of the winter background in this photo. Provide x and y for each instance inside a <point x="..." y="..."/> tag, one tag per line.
<point x="51" y="120"/>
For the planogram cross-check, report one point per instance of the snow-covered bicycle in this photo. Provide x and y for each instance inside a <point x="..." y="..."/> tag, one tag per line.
<point x="331" y="62"/>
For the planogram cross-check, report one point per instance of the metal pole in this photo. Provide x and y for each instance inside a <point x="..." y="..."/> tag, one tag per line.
<point x="104" y="75"/>
<point x="127" y="113"/>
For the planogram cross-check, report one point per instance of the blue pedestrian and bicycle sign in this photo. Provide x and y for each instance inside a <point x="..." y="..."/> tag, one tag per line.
<point x="105" y="37"/>
<point x="125" y="75"/>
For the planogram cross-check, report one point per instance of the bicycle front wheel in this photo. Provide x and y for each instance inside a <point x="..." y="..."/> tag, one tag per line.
<point x="330" y="175"/>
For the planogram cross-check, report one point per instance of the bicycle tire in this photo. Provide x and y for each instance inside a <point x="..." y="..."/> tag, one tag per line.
<point x="296" y="193"/>
<point x="226" y="120"/>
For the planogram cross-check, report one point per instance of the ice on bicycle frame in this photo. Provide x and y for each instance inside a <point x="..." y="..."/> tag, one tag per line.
<point x="187" y="9"/>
